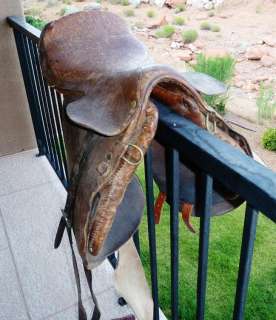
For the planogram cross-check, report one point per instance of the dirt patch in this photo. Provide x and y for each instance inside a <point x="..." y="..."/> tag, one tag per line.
<point x="247" y="31"/>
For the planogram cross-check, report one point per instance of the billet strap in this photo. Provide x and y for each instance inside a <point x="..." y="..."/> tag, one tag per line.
<point x="96" y="313"/>
<point x="81" y="310"/>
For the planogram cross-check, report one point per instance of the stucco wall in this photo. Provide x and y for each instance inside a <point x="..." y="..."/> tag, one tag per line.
<point x="16" y="132"/>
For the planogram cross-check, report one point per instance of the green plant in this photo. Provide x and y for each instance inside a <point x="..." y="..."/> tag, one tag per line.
<point x="151" y="13"/>
<point x="266" y="103"/>
<point x="269" y="139"/>
<point x="165" y="32"/>
<point x="129" y="13"/>
<point x="215" y="28"/>
<point x="180" y="8"/>
<point x="180" y="21"/>
<point x="35" y="22"/>
<point x="124" y="2"/>
<point x="205" y="25"/>
<point x="189" y="36"/>
<point x="222" y="69"/>
<point x="67" y="1"/>
<point x="259" y="8"/>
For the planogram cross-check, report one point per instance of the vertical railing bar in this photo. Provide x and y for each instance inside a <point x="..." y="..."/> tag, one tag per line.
<point x="151" y="231"/>
<point x="29" y="90"/>
<point x="49" y="135"/>
<point x="59" y="124"/>
<point x="204" y="194"/>
<point x="59" y="136"/>
<point x="40" y="96"/>
<point x="47" y="105"/>
<point x="247" y="248"/>
<point x="172" y="178"/>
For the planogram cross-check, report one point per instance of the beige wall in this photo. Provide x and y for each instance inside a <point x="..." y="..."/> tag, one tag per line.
<point x="16" y="132"/>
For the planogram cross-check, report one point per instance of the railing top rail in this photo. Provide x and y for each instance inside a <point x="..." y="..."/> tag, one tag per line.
<point x="20" y="24"/>
<point x="238" y="172"/>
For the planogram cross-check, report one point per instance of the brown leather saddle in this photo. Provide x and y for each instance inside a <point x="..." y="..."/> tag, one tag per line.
<point x="109" y="120"/>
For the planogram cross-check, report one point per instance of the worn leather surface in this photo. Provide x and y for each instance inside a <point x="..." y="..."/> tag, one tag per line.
<point x="107" y="79"/>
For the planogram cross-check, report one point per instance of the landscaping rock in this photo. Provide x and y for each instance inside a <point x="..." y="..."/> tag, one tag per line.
<point x="267" y="61"/>
<point x="186" y="55"/>
<point x="176" y="45"/>
<point x="158" y="3"/>
<point x="216" y="53"/>
<point x="270" y="41"/>
<point x="254" y="53"/>
<point x="92" y="6"/>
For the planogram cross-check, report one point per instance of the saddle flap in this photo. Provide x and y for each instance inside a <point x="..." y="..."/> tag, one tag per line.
<point x="108" y="106"/>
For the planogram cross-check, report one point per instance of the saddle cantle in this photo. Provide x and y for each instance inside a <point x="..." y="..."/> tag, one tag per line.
<point x="109" y="120"/>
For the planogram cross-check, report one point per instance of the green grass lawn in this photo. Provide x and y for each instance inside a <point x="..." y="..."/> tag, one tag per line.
<point x="224" y="252"/>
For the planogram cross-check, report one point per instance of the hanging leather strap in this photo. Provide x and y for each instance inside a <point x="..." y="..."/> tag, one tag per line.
<point x="81" y="310"/>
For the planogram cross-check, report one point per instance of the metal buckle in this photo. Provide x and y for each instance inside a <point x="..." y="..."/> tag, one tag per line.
<point x="141" y="155"/>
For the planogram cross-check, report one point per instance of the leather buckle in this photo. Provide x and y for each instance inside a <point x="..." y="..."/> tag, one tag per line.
<point x="134" y="163"/>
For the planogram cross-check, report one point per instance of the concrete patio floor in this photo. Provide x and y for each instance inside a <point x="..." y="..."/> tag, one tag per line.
<point x="37" y="281"/>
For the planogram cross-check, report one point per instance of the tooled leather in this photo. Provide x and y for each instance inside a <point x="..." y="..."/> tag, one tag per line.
<point x="75" y="71"/>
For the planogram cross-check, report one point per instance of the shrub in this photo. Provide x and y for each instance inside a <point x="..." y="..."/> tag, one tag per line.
<point x="124" y="2"/>
<point x="36" y="22"/>
<point x="222" y="69"/>
<point x="67" y="1"/>
<point x="129" y="13"/>
<point x="165" y="32"/>
<point x="151" y="14"/>
<point x="266" y="103"/>
<point x="215" y="28"/>
<point x="269" y="139"/>
<point x="180" y="8"/>
<point x="189" y="36"/>
<point x="205" y="25"/>
<point x="179" y="21"/>
<point x="211" y="14"/>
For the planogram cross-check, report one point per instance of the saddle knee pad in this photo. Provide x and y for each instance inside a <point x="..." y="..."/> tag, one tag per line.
<point x="126" y="222"/>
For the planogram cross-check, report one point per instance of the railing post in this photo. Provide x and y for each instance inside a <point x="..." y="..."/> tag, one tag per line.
<point x="247" y="248"/>
<point x="151" y="231"/>
<point x="203" y="207"/>
<point x="172" y="178"/>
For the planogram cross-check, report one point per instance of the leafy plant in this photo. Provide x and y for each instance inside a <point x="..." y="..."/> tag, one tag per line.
<point x="222" y="69"/>
<point x="215" y="28"/>
<point x="165" y="32"/>
<point x="205" y="25"/>
<point x="67" y="1"/>
<point x="189" y="36"/>
<point x="266" y="103"/>
<point x="35" y="22"/>
<point x="151" y="13"/>
<point x="129" y="13"/>
<point x="124" y="2"/>
<point x="180" y="8"/>
<point x="269" y="139"/>
<point x="180" y="21"/>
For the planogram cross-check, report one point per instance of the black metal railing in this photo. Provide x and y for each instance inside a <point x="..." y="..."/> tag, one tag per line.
<point x="184" y="142"/>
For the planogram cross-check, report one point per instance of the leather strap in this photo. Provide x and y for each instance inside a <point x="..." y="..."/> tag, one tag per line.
<point x="81" y="310"/>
